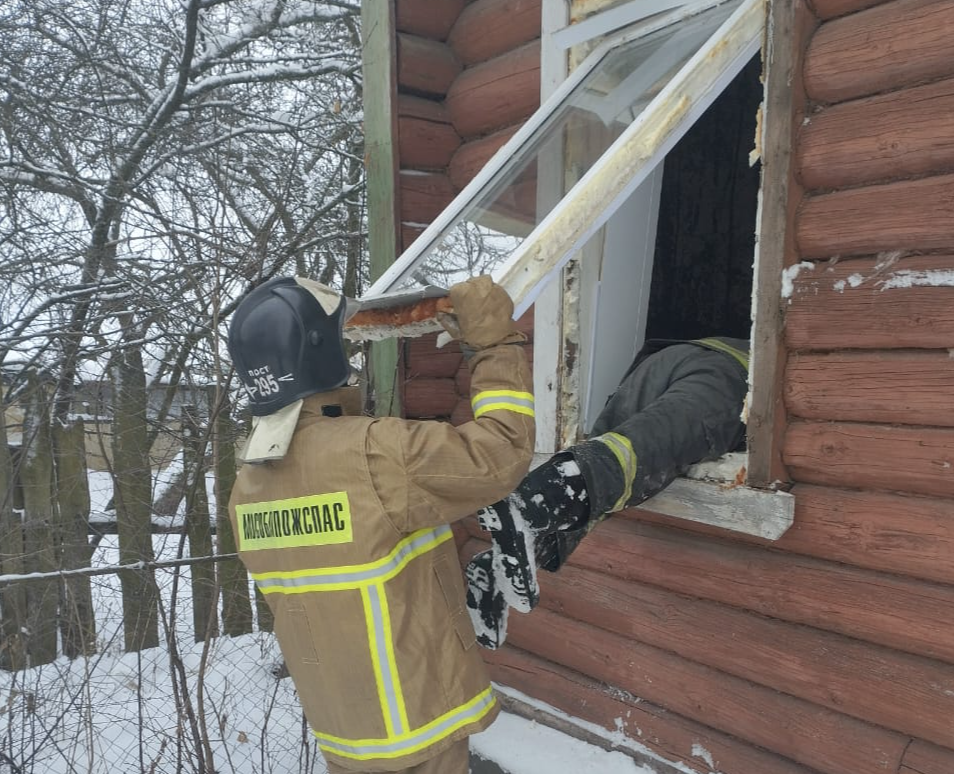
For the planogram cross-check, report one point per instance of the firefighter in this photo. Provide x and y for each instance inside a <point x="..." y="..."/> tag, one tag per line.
<point x="680" y="402"/>
<point x="343" y="522"/>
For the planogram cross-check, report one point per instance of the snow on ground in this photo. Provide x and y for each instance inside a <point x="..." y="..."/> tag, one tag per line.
<point x="117" y="712"/>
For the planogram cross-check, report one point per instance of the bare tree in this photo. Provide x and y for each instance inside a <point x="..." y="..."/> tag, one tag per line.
<point x="157" y="158"/>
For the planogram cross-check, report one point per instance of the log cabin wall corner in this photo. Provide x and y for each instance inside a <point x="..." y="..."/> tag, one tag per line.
<point x="831" y="650"/>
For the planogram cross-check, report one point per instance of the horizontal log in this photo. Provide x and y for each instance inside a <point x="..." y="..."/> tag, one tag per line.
<point x="427" y="18"/>
<point x="426" y="138"/>
<point x="410" y="232"/>
<point x="906" y="133"/>
<point x="423" y="195"/>
<point x="814" y="736"/>
<point x="898" y="691"/>
<point x="426" y="398"/>
<point x="471" y="156"/>
<point x="669" y="736"/>
<point x="889" y="46"/>
<point x="872" y="304"/>
<point x="924" y="758"/>
<point x="907" y="215"/>
<point x="425" y="66"/>
<point x="462" y="412"/>
<point x="488" y="28"/>
<point x="831" y="9"/>
<point x="889" y="610"/>
<point x="498" y="93"/>
<point x="910" y="387"/>
<point x="423" y="358"/>
<point x="919" y="460"/>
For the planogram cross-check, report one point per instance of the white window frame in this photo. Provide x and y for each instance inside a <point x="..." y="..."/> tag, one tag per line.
<point x="541" y="257"/>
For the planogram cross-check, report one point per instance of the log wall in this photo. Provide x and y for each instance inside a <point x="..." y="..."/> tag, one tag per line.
<point x="829" y="651"/>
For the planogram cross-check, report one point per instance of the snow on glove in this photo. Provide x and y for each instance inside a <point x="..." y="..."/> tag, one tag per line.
<point x="486" y="605"/>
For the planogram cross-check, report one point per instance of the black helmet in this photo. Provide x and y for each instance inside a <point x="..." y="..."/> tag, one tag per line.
<point x="285" y="341"/>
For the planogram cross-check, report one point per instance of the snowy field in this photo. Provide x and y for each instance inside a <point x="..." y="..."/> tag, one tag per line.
<point x="119" y="713"/>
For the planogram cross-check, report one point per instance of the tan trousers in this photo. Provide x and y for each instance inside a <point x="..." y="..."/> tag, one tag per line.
<point x="454" y="760"/>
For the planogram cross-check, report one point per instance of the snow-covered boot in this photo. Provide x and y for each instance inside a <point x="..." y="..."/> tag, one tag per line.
<point x="485" y="603"/>
<point x="552" y="497"/>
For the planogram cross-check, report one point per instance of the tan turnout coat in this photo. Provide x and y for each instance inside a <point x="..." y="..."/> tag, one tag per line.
<point x="348" y="538"/>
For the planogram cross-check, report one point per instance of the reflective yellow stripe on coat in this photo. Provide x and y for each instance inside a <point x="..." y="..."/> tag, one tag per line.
<point x="502" y="400"/>
<point x="370" y="579"/>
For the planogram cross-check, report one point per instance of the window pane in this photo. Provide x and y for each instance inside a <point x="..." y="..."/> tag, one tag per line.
<point x="620" y="81"/>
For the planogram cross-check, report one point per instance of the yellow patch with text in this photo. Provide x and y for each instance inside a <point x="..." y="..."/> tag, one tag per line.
<point x="314" y="520"/>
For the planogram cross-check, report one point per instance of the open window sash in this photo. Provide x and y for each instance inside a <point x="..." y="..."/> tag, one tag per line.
<point x="638" y="92"/>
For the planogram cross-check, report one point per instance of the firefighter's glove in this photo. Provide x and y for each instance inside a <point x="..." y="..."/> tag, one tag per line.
<point x="483" y="315"/>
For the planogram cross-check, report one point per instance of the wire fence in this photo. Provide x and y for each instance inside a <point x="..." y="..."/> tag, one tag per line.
<point x="223" y="705"/>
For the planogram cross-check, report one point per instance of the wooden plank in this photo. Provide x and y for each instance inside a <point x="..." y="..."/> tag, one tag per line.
<point x="907" y="215"/>
<point x="814" y="736"/>
<point x="919" y="460"/>
<point x="907" y="133"/>
<point x="489" y="28"/>
<point x="889" y="610"/>
<point x="911" y="387"/>
<point x="428" y="18"/>
<point x="758" y="512"/>
<point x="887" y="47"/>
<point x="672" y="737"/>
<point x="831" y="9"/>
<point x="791" y="25"/>
<point x="423" y="358"/>
<point x="429" y="398"/>
<point x="903" y="303"/>
<point x="425" y="66"/>
<point x="905" y="693"/>
<point x="471" y="156"/>
<point x="380" y="123"/>
<point x="500" y="92"/>
<point x="426" y="138"/>
<point x="924" y="758"/>
<point x="423" y="195"/>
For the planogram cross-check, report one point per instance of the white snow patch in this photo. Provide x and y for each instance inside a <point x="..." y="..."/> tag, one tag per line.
<point x="909" y="278"/>
<point x="789" y="275"/>
<point x="855" y="280"/>
<point x="698" y="751"/>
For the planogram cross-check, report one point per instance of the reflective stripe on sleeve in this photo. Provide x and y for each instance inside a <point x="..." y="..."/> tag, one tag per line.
<point x="356" y="575"/>
<point x="414" y="740"/>
<point x="502" y="400"/>
<point x="623" y="451"/>
<point x="721" y="346"/>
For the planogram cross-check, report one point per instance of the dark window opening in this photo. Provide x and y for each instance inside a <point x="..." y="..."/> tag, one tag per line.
<point x="705" y="238"/>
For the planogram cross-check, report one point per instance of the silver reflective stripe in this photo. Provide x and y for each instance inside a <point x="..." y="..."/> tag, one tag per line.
<point x="379" y="624"/>
<point x="355" y="576"/>
<point x="416" y="740"/>
<point x="502" y="400"/>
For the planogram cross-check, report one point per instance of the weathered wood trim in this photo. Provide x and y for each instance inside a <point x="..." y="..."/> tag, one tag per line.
<point x="425" y="66"/>
<point x="816" y="737"/>
<point x="908" y="133"/>
<point x="906" y="215"/>
<point x="906" y="693"/>
<point x="427" y="18"/>
<point x="488" y="28"/>
<point x="885" y="609"/>
<point x="758" y="512"/>
<point x="919" y="460"/>
<point x="426" y="138"/>
<point x="789" y="26"/>
<point x="380" y="123"/>
<point x="911" y="387"/>
<point x="887" y="47"/>
<point x="692" y="744"/>
<point x="497" y="93"/>
<point x="903" y="303"/>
